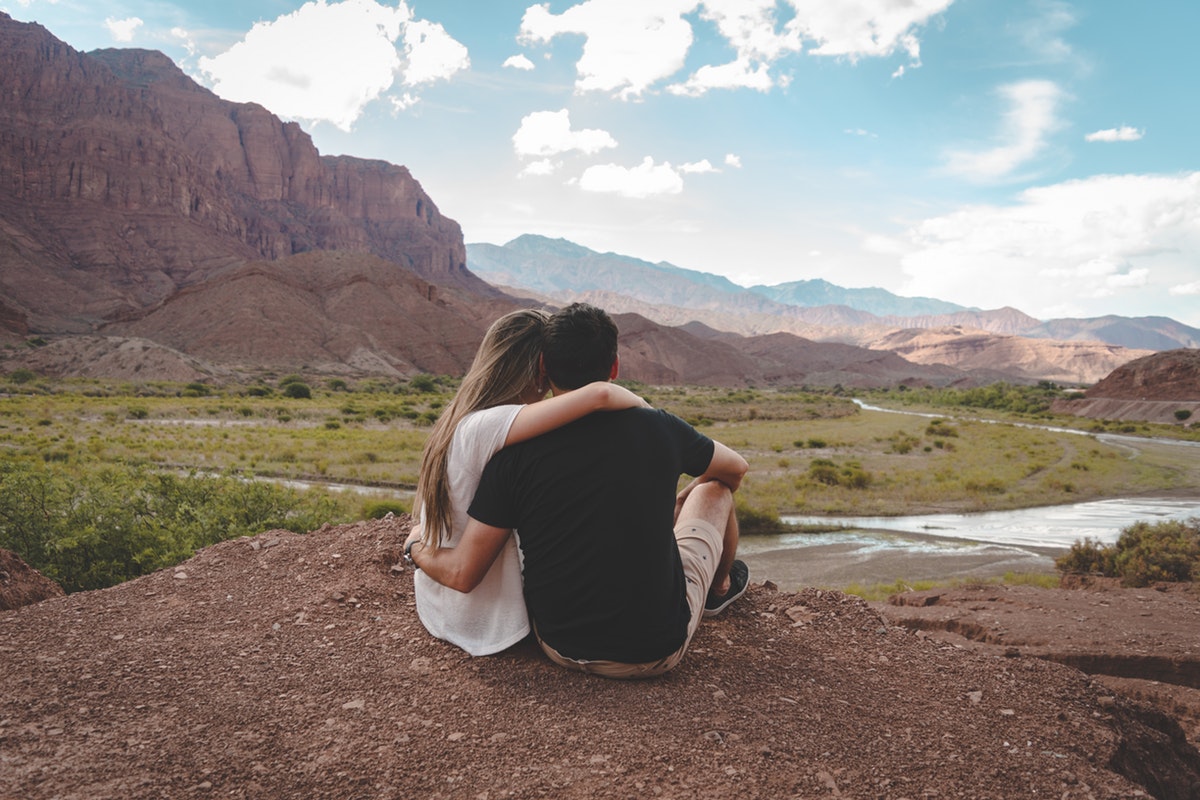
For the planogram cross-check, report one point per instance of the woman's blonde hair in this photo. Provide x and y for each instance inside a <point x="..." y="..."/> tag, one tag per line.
<point x="505" y="366"/>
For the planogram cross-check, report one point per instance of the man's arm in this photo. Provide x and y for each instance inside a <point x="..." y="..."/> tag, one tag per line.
<point x="463" y="566"/>
<point x="726" y="467"/>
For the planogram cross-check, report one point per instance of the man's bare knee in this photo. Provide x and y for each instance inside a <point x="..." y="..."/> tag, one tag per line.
<point x="710" y="501"/>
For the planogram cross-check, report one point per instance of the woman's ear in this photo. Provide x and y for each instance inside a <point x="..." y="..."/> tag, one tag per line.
<point x="543" y="383"/>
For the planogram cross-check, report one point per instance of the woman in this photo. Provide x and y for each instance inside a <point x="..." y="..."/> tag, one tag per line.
<point x="496" y="405"/>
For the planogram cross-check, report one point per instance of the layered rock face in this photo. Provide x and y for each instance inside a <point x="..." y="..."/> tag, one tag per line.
<point x="1173" y="375"/>
<point x="122" y="181"/>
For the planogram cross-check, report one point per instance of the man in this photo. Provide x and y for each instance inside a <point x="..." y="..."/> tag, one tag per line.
<point x="618" y="568"/>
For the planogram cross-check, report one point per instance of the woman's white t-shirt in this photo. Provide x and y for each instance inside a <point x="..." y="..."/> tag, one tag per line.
<point x="492" y="616"/>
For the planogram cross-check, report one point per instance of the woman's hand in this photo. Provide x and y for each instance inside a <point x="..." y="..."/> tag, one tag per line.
<point x="414" y="535"/>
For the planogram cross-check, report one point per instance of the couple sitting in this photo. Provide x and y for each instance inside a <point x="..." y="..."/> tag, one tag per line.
<point x="541" y="511"/>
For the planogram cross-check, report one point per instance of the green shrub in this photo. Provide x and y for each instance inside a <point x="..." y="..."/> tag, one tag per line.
<point x="297" y="390"/>
<point x="755" y="521"/>
<point x="1087" y="557"/>
<point x="822" y="470"/>
<point x="92" y="530"/>
<point x="21" y="376"/>
<point x="1144" y="553"/>
<point x="1182" y="414"/>
<point x="378" y="509"/>
<point x="422" y="383"/>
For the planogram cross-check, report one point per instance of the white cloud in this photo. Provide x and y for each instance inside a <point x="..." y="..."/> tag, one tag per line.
<point x="518" y="61"/>
<point x="734" y="75"/>
<point x="1122" y="134"/>
<point x="1032" y="115"/>
<point x="327" y="61"/>
<point x="1043" y="34"/>
<point x="540" y="167"/>
<point x="644" y="180"/>
<point x="1185" y="289"/>
<point x="876" y="28"/>
<point x="122" y="30"/>
<point x="698" y="167"/>
<point x="629" y="45"/>
<point x="548" y="133"/>
<point x="1057" y="246"/>
<point x="185" y="37"/>
<point x="433" y="55"/>
<point x="732" y="160"/>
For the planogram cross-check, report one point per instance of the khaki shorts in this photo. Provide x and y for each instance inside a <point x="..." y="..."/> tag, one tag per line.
<point x="700" y="546"/>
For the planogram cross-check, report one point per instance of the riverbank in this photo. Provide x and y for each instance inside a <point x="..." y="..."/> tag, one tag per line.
<point x="841" y="559"/>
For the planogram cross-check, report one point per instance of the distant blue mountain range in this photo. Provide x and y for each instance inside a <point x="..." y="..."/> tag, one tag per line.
<point x="558" y="268"/>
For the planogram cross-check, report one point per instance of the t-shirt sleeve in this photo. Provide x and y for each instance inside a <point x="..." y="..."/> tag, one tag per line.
<point x="695" y="448"/>
<point x="492" y="504"/>
<point x="481" y="433"/>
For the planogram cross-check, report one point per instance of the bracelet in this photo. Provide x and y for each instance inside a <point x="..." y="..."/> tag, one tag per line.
<point x="408" y="559"/>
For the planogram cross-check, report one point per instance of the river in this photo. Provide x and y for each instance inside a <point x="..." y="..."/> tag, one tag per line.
<point x="983" y="544"/>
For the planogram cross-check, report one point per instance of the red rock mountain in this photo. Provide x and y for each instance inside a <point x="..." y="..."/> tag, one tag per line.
<point x="1173" y="375"/>
<point x="150" y="229"/>
<point x="122" y="181"/>
<point x="1162" y="387"/>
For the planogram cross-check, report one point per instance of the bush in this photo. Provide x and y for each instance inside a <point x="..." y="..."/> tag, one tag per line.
<point x="822" y="470"/>
<point x="1182" y="414"/>
<point x="423" y="383"/>
<point x="297" y="390"/>
<point x="1143" y="554"/>
<point x="20" y="376"/>
<point x="754" y="521"/>
<point x="378" y="509"/>
<point x="97" y="529"/>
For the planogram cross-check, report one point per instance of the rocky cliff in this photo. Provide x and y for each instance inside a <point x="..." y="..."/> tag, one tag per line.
<point x="123" y="181"/>
<point x="1173" y="375"/>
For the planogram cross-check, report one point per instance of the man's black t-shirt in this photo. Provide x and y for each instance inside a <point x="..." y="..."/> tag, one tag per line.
<point x="593" y="504"/>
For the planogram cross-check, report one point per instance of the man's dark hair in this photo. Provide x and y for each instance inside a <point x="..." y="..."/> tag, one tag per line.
<point x="579" y="346"/>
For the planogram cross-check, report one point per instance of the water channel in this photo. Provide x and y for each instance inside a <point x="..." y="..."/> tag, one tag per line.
<point x="983" y="544"/>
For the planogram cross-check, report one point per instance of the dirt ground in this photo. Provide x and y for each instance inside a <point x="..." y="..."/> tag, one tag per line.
<point x="295" y="666"/>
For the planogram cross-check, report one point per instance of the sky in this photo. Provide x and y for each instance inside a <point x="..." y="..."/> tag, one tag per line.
<point x="1039" y="154"/>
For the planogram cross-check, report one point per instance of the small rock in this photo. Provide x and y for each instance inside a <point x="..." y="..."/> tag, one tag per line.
<point x="975" y="697"/>
<point x="355" y="704"/>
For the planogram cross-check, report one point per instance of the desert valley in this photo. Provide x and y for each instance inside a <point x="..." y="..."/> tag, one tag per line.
<point x="172" y="262"/>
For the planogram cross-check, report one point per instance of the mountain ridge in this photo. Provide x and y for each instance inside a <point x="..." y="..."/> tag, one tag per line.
<point x="143" y="217"/>
<point x="996" y="341"/>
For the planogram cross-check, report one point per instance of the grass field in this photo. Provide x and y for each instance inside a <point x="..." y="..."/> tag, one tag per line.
<point x="102" y="481"/>
<point x="809" y="453"/>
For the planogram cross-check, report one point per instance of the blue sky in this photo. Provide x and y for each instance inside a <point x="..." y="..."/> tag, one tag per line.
<point x="1031" y="153"/>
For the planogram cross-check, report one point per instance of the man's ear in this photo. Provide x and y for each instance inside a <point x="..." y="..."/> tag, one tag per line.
<point x="612" y="374"/>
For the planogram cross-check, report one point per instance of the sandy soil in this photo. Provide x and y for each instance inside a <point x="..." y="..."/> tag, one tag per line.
<point x="294" y="666"/>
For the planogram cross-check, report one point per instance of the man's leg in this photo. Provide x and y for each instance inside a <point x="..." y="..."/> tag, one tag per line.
<point x="706" y="532"/>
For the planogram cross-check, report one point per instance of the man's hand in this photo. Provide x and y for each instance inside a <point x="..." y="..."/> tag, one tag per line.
<point x="463" y="566"/>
